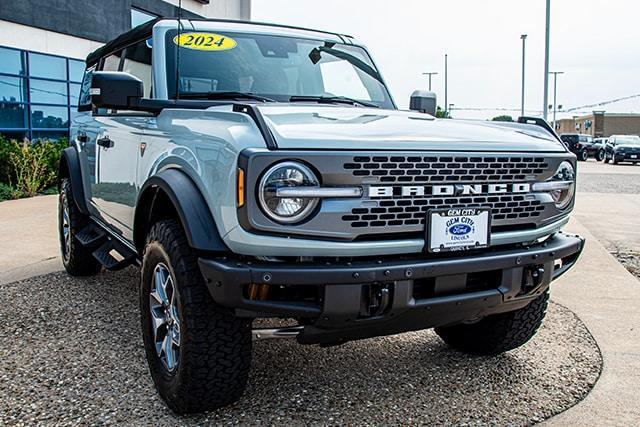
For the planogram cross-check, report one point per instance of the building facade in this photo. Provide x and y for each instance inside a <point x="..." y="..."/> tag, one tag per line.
<point x="601" y="124"/>
<point x="43" y="45"/>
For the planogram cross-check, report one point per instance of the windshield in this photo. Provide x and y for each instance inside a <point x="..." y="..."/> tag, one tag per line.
<point x="628" y="140"/>
<point x="273" y="67"/>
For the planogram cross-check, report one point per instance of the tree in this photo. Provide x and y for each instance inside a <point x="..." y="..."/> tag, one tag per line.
<point x="503" y="118"/>
<point x="441" y="114"/>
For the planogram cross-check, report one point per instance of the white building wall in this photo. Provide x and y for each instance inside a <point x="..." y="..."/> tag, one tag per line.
<point x="37" y="40"/>
<point x="229" y="9"/>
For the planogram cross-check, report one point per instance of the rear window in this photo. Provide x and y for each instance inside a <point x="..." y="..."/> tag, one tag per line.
<point x="572" y="139"/>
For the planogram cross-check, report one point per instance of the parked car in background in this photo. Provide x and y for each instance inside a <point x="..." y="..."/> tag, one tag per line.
<point x="599" y="144"/>
<point x="622" y="148"/>
<point x="579" y="144"/>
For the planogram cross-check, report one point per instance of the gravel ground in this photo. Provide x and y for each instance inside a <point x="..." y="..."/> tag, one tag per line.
<point x="630" y="259"/>
<point x="72" y="354"/>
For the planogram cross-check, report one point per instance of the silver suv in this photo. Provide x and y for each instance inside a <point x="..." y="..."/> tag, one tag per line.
<point x="258" y="171"/>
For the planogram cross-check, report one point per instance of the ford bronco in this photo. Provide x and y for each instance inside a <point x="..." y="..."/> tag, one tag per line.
<point x="255" y="171"/>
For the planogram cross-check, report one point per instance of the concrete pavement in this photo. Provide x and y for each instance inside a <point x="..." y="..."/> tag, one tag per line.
<point x="29" y="244"/>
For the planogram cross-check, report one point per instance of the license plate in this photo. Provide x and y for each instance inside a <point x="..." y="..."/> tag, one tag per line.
<point x="634" y="156"/>
<point x="458" y="229"/>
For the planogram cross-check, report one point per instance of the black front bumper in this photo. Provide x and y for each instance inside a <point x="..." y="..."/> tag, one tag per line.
<point x="450" y="297"/>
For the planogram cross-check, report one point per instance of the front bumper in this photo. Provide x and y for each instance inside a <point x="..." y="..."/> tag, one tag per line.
<point x="422" y="292"/>
<point x="627" y="157"/>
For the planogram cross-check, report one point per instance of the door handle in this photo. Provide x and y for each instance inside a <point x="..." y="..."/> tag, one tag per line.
<point x="105" y="142"/>
<point x="83" y="138"/>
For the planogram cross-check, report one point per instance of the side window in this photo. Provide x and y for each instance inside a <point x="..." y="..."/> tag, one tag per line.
<point x="84" y="102"/>
<point x="112" y="62"/>
<point x="137" y="62"/>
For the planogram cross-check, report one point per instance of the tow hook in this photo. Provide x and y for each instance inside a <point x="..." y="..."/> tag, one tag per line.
<point x="375" y="299"/>
<point x="532" y="278"/>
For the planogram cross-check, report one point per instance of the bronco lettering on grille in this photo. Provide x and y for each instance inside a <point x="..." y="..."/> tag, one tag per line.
<point x="447" y="190"/>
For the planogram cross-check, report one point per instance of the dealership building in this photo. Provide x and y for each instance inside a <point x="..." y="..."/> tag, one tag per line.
<point x="601" y="124"/>
<point x="43" y="45"/>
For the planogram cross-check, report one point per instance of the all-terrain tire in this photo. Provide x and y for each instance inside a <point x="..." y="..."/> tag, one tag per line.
<point x="77" y="260"/>
<point x="583" y="156"/>
<point x="497" y="333"/>
<point x="214" y="346"/>
<point x="600" y="155"/>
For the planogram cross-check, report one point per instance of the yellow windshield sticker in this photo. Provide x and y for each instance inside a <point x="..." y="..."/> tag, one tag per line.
<point x="205" y="41"/>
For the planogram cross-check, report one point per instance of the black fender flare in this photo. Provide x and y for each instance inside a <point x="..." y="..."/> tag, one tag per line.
<point x="191" y="207"/>
<point x="70" y="168"/>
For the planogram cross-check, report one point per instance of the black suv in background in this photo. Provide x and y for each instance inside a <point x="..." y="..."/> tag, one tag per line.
<point x="622" y="148"/>
<point x="581" y="145"/>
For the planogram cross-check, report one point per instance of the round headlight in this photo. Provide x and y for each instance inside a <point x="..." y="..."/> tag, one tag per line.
<point x="287" y="210"/>
<point x="563" y="197"/>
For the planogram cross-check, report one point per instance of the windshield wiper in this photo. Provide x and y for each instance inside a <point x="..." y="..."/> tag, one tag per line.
<point x="331" y="100"/>
<point x="224" y="95"/>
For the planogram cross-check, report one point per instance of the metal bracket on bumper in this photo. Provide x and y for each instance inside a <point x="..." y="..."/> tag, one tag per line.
<point x="524" y="274"/>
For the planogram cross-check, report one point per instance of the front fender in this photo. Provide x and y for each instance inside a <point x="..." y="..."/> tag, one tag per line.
<point x="189" y="204"/>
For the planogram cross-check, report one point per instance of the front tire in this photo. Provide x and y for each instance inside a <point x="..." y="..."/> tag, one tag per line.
<point x="77" y="260"/>
<point x="497" y="333"/>
<point x="199" y="353"/>
<point x="600" y="156"/>
<point x="583" y="155"/>
<point x="606" y="158"/>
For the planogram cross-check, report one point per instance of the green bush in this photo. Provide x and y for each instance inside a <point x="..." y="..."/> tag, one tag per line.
<point x="30" y="167"/>
<point x="7" y="192"/>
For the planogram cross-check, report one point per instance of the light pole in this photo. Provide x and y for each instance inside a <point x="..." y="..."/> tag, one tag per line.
<point x="555" y="89"/>
<point x="524" y="38"/>
<point x="429" y="74"/>
<point x="546" y="63"/>
<point x="446" y="94"/>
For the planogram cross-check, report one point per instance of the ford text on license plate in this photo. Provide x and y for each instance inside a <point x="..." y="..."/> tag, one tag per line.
<point x="458" y="229"/>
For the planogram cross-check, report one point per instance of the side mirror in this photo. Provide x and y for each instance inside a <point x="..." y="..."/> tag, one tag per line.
<point x="115" y="90"/>
<point x="423" y="101"/>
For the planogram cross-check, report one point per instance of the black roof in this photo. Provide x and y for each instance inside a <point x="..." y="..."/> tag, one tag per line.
<point x="145" y="30"/>
<point x="123" y="40"/>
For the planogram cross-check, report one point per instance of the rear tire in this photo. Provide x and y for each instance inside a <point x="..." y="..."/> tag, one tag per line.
<point x="77" y="260"/>
<point x="497" y="333"/>
<point x="210" y="347"/>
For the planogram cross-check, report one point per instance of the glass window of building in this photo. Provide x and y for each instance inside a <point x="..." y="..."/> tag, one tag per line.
<point x="38" y="93"/>
<point x="139" y="17"/>
<point x="12" y="61"/>
<point x="47" y="66"/>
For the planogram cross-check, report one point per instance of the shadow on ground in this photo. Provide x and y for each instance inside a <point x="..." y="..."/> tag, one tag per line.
<point x="72" y="353"/>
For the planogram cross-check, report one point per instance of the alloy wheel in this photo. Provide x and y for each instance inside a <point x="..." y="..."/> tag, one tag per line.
<point x="165" y="319"/>
<point x="66" y="226"/>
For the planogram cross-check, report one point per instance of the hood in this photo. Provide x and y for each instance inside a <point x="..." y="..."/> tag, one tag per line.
<point x="628" y="146"/>
<point x="320" y="126"/>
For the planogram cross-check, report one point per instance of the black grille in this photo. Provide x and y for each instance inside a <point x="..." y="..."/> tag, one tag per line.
<point x="402" y="212"/>
<point x="411" y="211"/>
<point x="407" y="169"/>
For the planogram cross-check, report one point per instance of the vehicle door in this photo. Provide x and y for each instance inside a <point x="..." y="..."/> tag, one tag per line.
<point x="608" y="147"/>
<point x="117" y="136"/>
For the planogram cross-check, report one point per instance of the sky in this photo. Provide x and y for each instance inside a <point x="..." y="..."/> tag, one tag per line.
<point x="595" y="43"/>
